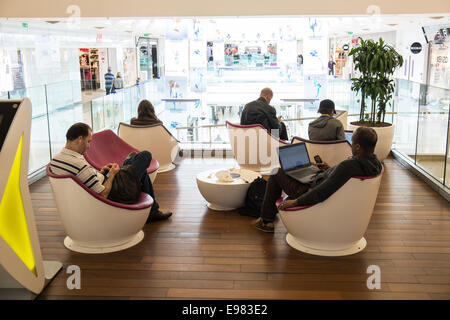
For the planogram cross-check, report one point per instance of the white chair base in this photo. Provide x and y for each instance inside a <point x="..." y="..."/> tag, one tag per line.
<point x="216" y="207"/>
<point x="167" y="168"/>
<point x="74" y="246"/>
<point x="297" y="244"/>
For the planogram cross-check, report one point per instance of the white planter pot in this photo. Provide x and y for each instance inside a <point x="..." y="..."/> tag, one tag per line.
<point x="384" y="143"/>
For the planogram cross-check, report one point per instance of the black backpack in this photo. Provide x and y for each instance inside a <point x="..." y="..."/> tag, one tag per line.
<point x="254" y="198"/>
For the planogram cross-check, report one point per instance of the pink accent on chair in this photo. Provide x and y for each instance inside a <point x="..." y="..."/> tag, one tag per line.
<point x="155" y="138"/>
<point x="94" y="224"/>
<point x="254" y="148"/>
<point x="145" y="200"/>
<point x="254" y="126"/>
<point x="107" y="147"/>
<point x="336" y="226"/>
<point x="281" y="199"/>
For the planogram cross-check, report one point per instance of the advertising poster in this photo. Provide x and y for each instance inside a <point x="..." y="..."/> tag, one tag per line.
<point x="16" y="68"/>
<point x="176" y="58"/>
<point x="315" y="55"/>
<point x="218" y="53"/>
<point x="198" y="79"/>
<point x="198" y="51"/>
<point x="6" y="81"/>
<point x="175" y="88"/>
<point x="177" y="30"/>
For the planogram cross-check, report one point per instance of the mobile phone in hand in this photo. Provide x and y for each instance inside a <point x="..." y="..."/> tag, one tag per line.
<point x="317" y="159"/>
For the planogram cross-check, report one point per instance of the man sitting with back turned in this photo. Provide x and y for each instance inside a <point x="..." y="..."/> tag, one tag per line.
<point x="261" y="112"/>
<point x="323" y="184"/>
<point x="71" y="161"/>
<point x="326" y="128"/>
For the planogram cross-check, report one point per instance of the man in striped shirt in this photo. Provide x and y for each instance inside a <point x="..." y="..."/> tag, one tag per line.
<point x="71" y="161"/>
<point x="109" y="78"/>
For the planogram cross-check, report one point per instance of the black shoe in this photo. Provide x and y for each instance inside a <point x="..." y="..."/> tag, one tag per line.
<point x="158" y="215"/>
<point x="266" y="227"/>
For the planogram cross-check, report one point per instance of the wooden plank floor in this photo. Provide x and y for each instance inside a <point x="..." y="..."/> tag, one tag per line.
<point x="202" y="254"/>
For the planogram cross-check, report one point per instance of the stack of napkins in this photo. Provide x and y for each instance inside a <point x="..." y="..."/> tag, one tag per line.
<point x="224" y="176"/>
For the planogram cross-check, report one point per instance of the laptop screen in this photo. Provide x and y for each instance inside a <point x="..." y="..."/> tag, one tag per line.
<point x="293" y="156"/>
<point x="348" y="136"/>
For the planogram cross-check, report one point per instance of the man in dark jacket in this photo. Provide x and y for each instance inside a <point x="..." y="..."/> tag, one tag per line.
<point x="261" y="112"/>
<point x="323" y="184"/>
<point x="326" y="128"/>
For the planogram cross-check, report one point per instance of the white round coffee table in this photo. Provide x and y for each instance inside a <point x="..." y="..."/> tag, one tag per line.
<point x="224" y="196"/>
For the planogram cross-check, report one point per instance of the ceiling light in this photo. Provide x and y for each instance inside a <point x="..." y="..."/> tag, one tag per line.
<point x="52" y="21"/>
<point x="392" y="24"/>
<point x="99" y="27"/>
<point x="437" y="17"/>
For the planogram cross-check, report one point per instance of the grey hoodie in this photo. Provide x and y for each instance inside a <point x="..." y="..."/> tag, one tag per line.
<point x="326" y="128"/>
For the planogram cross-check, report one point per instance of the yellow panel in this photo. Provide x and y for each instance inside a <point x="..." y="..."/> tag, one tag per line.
<point x="13" y="223"/>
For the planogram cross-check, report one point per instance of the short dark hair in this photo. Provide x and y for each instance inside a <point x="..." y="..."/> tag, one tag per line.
<point x="326" y="106"/>
<point x="77" y="130"/>
<point x="366" y="137"/>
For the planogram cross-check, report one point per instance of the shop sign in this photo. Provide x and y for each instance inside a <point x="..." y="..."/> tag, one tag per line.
<point x="416" y="47"/>
<point x="355" y="41"/>
<point x="345" y="47"/>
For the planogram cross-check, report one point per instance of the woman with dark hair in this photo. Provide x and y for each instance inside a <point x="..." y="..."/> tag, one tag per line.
<point x="146" y="115"/>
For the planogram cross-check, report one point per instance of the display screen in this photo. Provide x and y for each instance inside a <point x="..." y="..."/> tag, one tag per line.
<point x="7" y="112"/>
<point x="348" y="136"/>
<point x="293" y="156"/>
<point x="437" y="33"/>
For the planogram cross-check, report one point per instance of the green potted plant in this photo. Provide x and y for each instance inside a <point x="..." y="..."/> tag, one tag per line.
<point x="376" y="62"/>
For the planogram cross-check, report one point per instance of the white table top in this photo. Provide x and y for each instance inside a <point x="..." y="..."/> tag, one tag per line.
<point x="245" y="176"/>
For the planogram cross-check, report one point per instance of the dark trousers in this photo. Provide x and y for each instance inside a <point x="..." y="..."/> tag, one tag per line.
<point x="140" y="163"/>
<point x="276" y="184"/>
<point x="108" y="90"/>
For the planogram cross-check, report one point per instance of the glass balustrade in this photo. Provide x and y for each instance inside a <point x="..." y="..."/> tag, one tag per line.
<point x="420" y="115"/>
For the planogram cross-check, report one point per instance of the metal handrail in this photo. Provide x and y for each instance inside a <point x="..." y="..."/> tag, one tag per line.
<point x="292" y="119"/>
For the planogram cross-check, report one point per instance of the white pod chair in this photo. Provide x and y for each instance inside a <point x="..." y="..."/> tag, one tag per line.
<point x="331" y="152"/>
<point x="154" y="138"/>
<point x="342" y="116"/>
<point x="336" y="226"/>
<point x="94" y="224"/>
<point x="254" y="148"/>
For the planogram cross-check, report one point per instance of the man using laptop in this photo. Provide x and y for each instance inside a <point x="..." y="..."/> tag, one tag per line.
<point x="317" y="187"/>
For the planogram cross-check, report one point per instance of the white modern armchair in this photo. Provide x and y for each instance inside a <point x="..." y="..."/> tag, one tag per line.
<point x="94" y="224"/>
<point x="254" y="148"/>
<point x="331" y="152"/>
<point x="154" y="138"/>
<point x="336" y="226"/>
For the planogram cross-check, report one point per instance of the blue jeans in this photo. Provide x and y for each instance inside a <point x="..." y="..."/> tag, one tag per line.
<point x="140" y="163"/>
<point x="108" y="90"/>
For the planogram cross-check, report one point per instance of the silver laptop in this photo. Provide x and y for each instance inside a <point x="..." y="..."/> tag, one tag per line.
<point x="294" y="160"/>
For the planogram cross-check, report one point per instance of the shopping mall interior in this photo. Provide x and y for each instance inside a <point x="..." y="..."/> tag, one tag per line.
<point x="199" y="66"/>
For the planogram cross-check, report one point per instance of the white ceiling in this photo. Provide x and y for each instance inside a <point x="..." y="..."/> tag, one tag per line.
<point x="337" y="26"/>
